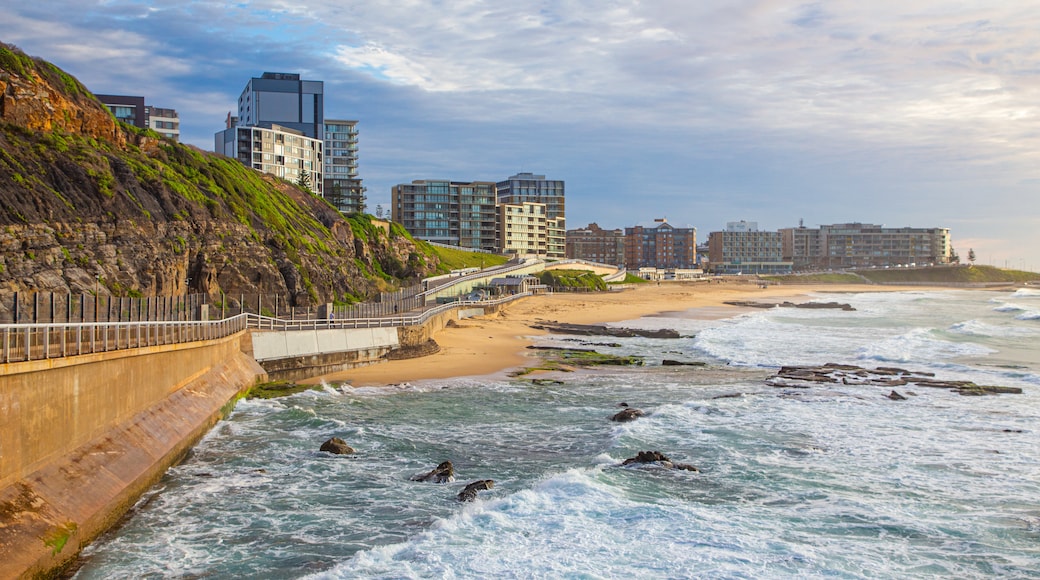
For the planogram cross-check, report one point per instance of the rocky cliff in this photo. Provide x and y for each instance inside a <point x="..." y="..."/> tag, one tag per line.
<point x="92" y="203"/>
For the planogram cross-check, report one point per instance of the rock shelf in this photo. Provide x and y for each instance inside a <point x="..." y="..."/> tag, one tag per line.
<point x="888" y="377"/>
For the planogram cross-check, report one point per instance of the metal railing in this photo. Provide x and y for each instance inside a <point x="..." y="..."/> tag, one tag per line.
<point x="29" y="342"/>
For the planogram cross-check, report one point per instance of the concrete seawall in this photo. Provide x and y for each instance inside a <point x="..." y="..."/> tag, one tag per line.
<point x="81" y="438"/>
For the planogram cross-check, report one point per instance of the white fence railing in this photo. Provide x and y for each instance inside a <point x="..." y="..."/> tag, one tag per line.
<point x="28" y="342"/>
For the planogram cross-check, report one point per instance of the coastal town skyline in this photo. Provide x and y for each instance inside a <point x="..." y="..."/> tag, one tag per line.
<point x="767" y="111"/>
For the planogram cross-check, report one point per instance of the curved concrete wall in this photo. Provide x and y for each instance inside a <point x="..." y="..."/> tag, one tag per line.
<point x="82" y="438"/>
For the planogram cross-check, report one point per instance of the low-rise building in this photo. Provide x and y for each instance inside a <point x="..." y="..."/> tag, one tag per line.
<point x="662" y="247"/>
<point x="857" y="245"/>
<point x="596" y="244"/>
<point x="742" y="249"/>
<point x="134" y="111"/>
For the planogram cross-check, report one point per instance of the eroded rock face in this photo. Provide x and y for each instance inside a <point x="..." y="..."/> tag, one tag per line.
<point x="337" y="446"/>
<point x="93" y="204"/>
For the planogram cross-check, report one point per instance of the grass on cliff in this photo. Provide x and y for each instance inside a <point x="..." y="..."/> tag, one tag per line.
<point x="573" y="279"/>
<point x="458" y="259"/>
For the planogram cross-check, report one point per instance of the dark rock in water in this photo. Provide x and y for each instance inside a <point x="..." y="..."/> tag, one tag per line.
<point x="788" y="304"/>
<point x="470" y="492"/>
<point x="626" y="415"/>
<point x="599" y="330"/>
<point x="659" y="459"/>
<point x="543" y="382"/>
<point x="676" y="363"/>
<point x="896" y="396"/>
<point x="622" y="404"/>
<point x="443" y="473"/>
<point x="336" y="446"/>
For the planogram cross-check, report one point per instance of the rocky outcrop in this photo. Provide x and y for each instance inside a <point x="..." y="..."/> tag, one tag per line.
<point x="337" y="446"/>
<point x="600" y="330"/>
<point x="94" y="205"/>
<point x="787" y="304"/>
<point x="678" y="363"/>
<point x="657" y="459"/>
<point x="470" y="492"/>
<point x="832" y="373"/>
<point x="443" y="473"/>
<point x="627" y="415"/>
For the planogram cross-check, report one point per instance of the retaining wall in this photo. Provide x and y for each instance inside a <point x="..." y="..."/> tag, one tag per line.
<point x="81" y="438"/>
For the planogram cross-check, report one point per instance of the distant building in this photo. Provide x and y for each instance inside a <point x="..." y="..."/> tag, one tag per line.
<point x="556" y="229"/>
<point x="523" y="230"/>
<point x="742" y="249"/>
<point x="165" y="122"/>
<point x="283" y="99"/>
<point x="275" y="150"/>
<point x="134" y="111"/>
<point x="857" y="245"/>
<point x="528" y="187"/>
<point x="343" y="188"/>
<point x="662" y="247"/>
<point x="449" y="212"/>
<point x="279" y="129"/>
<point x="596" y="244"/>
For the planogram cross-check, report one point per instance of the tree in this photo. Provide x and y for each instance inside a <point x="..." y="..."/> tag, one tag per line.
<point x="379" y="211"/>
<point x="954" y="257"/>
<point x="971" y="256"/>
<point x="304" y="181"/>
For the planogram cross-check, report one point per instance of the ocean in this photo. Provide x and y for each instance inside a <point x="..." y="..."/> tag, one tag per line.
<point x="832" y="481"/>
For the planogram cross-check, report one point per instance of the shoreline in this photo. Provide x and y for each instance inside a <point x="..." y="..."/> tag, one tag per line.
<point x="495" y="344"/>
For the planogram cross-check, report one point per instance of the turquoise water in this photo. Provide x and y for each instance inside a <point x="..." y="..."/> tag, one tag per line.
<point x="836" y="481"/>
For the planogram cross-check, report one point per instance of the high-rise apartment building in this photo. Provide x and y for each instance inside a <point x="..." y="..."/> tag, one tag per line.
<point x="595" y="244"/>
<point x="134" y="111"/>
<point x="523" y="230"/>
<point x="279" y="129"/>
<point x="857" y="245"/>
<point x="343" y="188"/>
<point x="528" y="187"/>
<point x="662" y="247"/>
<point x="742" y="249"/>
<point x="468" y="214"/>
<point x="449" y="212"/>
<point x="283" y="99"/>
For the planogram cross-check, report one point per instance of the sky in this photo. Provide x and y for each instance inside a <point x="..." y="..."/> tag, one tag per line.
<point x="921" y="113"/>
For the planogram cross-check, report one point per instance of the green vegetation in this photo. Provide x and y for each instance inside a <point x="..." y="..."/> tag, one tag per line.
<point x="15" y="61"/>
<point x="59" y="536"/>
<point x="631" y="278"/>
<point x="572" y="279"/>
<point x="562" y="360"/>
<point x="276" y="389"/>
<point x="452" y="259"/>
<point x="949" y="275"/>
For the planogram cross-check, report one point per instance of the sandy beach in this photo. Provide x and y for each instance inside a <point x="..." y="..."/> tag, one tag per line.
<point x="497" y="343"/>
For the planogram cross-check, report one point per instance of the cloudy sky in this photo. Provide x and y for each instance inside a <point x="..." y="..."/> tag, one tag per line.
<point x="920" y="113"/>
